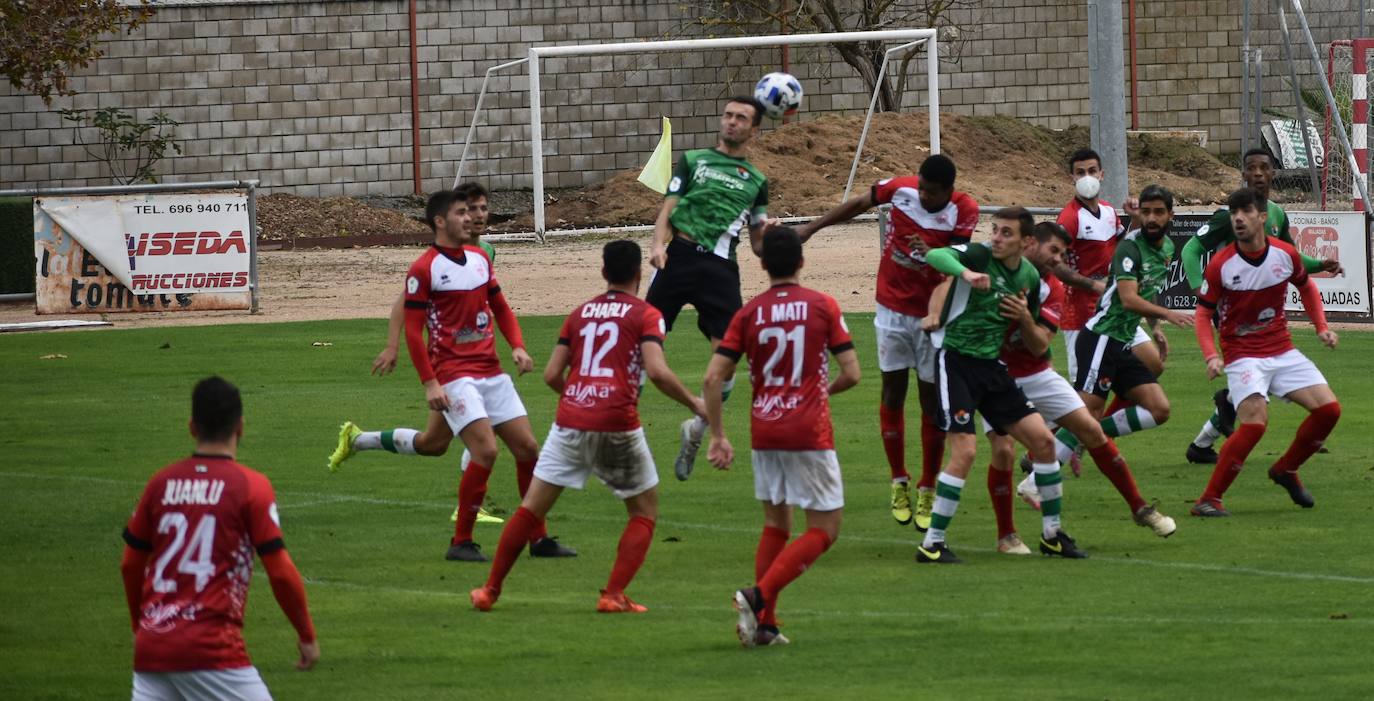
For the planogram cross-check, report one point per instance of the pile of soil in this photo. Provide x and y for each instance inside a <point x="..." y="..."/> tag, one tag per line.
<point x="282" y="216"/>
<point x="1002" y="161"/>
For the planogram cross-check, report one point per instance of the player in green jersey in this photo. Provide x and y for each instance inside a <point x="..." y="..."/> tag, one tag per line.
<point x="715" y="196"/>
<point x="1139" y="272"/>
<point x="988" y="296"/>
<point x="1212" y="237"/>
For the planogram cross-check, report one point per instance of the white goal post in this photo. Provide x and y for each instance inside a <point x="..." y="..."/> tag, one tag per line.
<point x="911" y="37"/>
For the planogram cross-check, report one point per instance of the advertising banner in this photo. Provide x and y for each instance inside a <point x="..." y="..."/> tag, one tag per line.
<point x="143" y="252"/>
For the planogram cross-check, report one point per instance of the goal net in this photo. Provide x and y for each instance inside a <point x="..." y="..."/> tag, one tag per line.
<point x="575" y="134"/>
<point x="1347" y="72"/>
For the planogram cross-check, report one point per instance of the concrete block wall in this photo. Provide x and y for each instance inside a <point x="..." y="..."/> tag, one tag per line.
<point x="313" y="97"/>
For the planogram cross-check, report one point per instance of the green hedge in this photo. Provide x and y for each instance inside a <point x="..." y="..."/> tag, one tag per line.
<point x="16" y="244"/>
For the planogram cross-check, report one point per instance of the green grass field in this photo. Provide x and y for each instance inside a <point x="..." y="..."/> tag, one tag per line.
<point x="1272" y="603"/>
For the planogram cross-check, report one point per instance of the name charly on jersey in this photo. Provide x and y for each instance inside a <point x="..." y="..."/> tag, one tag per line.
<point x="604" y="339"/>
<point x="455" y="285"/>
<point x="787" y="333"/>
<point x="905" y="279"/>
<point x="1135" y="260"/>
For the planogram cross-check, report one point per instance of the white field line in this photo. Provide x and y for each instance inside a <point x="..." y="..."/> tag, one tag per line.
<point x="572" y="602"/>
<point x="324" y="498"/>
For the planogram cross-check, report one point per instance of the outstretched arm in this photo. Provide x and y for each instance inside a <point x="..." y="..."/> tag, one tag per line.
<point x="841" y="213"/>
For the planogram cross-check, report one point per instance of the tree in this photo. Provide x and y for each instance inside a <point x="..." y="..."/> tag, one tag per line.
<point x="129" y="147"/>
<point x="746" y="17"/>
<point x="42" y="41"/>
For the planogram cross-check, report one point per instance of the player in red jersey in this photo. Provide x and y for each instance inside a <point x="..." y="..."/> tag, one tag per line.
<point x="188" y="559"/>
<point x="786" y="333"/>
<point x="452" y="293"/>
<point x="1245" y="285"/>
<point x="927" y="213"/>
<point x="604" y="350"/>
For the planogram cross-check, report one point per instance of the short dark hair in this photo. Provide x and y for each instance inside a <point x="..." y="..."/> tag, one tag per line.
<point x="440" y="202"/>
<point x="215" y="408"/>
<point x="621" y="261"/>
<point x="472" y="191"/>
<point x="1020" y="215"/>
<point x="1158" y="193"/>
<point x="1084" y="154"/>
<point x="782" y="252"/>
<point x="752" y="101"/>
<point x="939" y="169"/>
<point x="1242" y="198"/>
<point x="1260" y="151"/>
<point x="1046" y="230"/>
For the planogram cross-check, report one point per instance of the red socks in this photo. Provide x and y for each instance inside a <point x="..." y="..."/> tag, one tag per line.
<point x="634" y="545"/>
<point x="792" y="561"/>
<point x="932" y="451"/>
<point x="1311" y="434"/>
<point x="1118" y="403"/>
<point x="771" y="543"/>
<point x="1003" y="493"/>
<point x="1232" y="458"/>
<point x="1110" y="462"/>
<point x="524" y="472"/>
<point x="513" y="539"/>
<point x="892" y="422"/>
<point x="471" y="491"/>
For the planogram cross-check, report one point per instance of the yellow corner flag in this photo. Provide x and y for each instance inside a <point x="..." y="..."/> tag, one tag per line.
<point x="659" y="170"/>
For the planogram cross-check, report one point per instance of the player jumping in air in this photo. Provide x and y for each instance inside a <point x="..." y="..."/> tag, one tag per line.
<point x="986" y="300"/>
<point x="1105" y="361"/>
<point x="452" y="293"/>
<point x="607" y="343"/>
<point x="1212" y="237"/>
<point x="785" y="333"/>
<point x="188" y="559"/>
<point x="927" y="213"/>
<point x="1244" y="288"/>
<point x="714" y="195"/>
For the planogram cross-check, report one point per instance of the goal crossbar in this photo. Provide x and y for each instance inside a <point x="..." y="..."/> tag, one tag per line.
<point x="538" y="52"/>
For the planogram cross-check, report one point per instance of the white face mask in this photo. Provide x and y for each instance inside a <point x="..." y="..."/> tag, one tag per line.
<point x="1088" y="187"/>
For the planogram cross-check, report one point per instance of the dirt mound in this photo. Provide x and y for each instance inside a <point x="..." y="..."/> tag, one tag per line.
<point x="1002" y="161"/>
<point x="282" y="216"/>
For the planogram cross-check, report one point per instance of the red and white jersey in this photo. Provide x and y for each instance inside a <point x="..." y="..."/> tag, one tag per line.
<point x="786" y="333"/>
<point x="604" y="337"/>
<point x="1021" y="362"/>
<point x="1093" y="243"/>
<point x="905" y="280"/>
<point x="453" y="286"/>
<point x="1248" y="294"/>
<point x="200" y="519"/>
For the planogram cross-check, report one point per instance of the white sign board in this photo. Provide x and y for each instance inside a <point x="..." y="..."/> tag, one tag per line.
<point x="1341" y="236"/>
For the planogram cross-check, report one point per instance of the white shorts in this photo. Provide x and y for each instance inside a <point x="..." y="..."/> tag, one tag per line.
<point x="1071" y="340"/>
<point x="1051" y="394"/>
<point x="806" y="478"/>
<point x="1279" y="376"/>
<point x="473" y="398"/>
<point x="620" y="459"/>
<point x="902" y="345"/>
<point x="240" y="684"/>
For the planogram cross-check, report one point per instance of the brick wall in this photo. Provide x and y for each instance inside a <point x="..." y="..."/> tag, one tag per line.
<point x="313" y="97"/>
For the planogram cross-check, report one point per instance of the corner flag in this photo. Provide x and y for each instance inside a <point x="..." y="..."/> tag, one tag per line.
<point x="659" y="170"/>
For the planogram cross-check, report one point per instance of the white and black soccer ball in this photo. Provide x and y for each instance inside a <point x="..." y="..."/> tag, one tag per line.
<point x="780" y="94"/>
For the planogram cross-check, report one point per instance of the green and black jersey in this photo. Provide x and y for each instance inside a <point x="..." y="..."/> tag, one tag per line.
<point x="971" y="322"/>
<point x="1136" y="260"/>
<point x="718" y="196"/>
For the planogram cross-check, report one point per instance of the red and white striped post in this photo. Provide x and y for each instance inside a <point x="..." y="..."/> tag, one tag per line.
<point x="1359" y="115"/>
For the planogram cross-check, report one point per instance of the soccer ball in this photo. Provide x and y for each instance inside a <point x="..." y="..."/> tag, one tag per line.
<point x="780" y="93"/>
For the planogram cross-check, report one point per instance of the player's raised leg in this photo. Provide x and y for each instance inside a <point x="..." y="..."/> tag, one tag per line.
<point x="1109" y="460"/>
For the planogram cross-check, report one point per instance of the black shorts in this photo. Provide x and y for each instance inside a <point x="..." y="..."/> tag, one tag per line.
<point x="1108" y="365"/>
<point x="969" y="384"/>
<point x="696" y="276"/>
